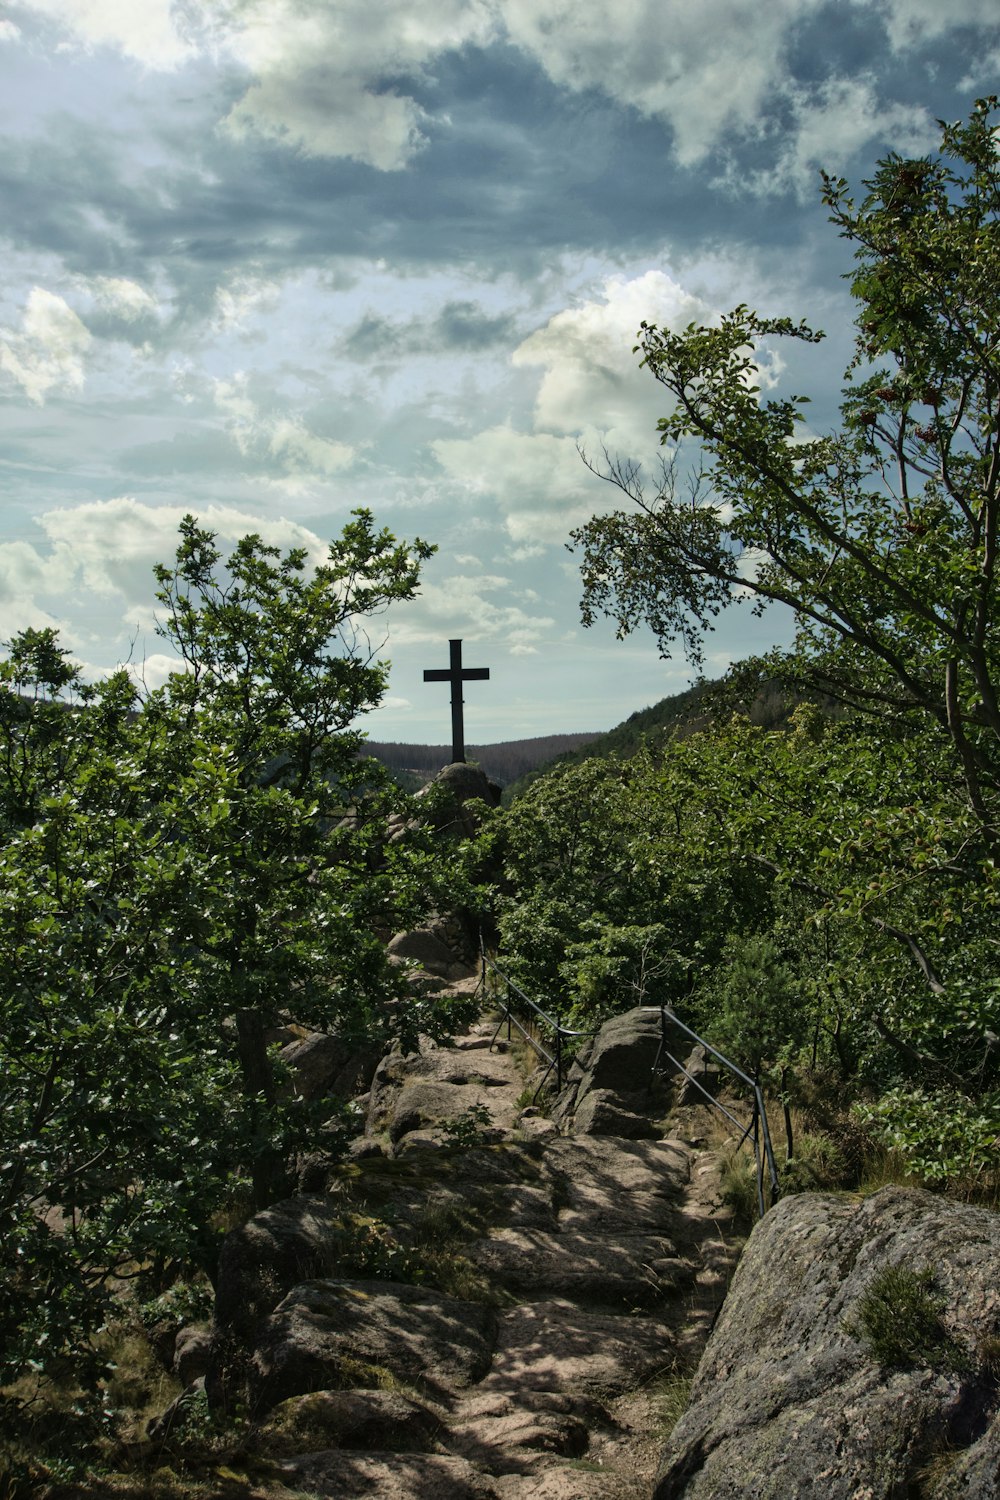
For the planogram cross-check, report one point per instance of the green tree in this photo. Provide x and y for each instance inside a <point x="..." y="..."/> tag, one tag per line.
<point x="881" y="538"/>
<point x="177" y="871"/>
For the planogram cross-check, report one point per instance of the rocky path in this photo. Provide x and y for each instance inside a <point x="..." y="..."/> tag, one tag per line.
<point x="478" y="1305"/>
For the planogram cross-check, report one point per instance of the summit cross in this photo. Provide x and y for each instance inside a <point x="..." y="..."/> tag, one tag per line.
<point x="456" y="675"/>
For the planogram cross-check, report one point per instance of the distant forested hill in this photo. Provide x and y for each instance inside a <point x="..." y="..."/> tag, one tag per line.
<point x="514" y="764"/>
<point x="680" y="714"/>
<point x="506" y="762"/>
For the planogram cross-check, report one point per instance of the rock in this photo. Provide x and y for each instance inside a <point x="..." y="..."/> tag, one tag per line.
<point x="623" y="1052"/>
<point x="974" y="1474"/>
<point x="420" y="1105"/>
<point x="158" y="1429"/>
<point x="191" y="1353"/>
<point x="336" y="1475"/>
<point x="553" y="1346"/>
<point x="330" y="1334"/>
<point x="610" y="1087"/>
<point x="706" y="1077"/>
<point x="594" y="1176"/>
<point x="323" y="1065"/>
<point x="461" y="784"/>
<point x="495" y="1431"/>
<point x="162" y="1335"/>
<point x="632" y="1269"/>
<point x="386" y="1421"/>
<point x="287" y="1243"/>
<point x="438" y="1088"/>
<point x="601" y="1114"/>
<point x="790" y="1400"/>
<point x="424" y="947"/>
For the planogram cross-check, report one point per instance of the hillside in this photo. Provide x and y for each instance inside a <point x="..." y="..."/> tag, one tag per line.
<point x="504" y="762"/>
<point x="679" y="714"/>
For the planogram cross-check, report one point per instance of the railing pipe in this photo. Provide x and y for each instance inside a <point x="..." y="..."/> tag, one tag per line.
<point x="757" y="1131"/>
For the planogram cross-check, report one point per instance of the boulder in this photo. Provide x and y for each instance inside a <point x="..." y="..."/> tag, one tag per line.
<point x="601" y="1113"/>
<point x="704" y="1076"/>
<point x="437" y="1088"/>
<point x="335" y="1334"/>
<point x="263" y="1259"/>
<point x="631" y="1269"/>
<point x="462" y="784"/>
<point x="323" y="1065"/>
<point x="552" y="1346"/>
<point x="430" y="951"/>
<point x="191" y="1353"/>
<point x="386" y="1421"/>
<point x="336" y="1475"/>
<point x="792" y="1395"/>
<point x="610" y="1088"/>
<point x="595" y="1175"/>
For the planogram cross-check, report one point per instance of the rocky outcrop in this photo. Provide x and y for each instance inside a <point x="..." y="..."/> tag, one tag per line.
<point x="471" y="1305"/>
<point x="611" y="1088"/>
<point x="327" y="1066"/>
<point x="327" y="1335"/>
<point x="446" y="947"/>
<point x="856" y="1355"/>
<point x="453" y="789"/>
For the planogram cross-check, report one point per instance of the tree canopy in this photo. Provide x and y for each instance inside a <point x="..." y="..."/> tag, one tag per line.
<point x="881" y="537"/>
<point x="823" y="896"/>
<point x="181" y="870"/>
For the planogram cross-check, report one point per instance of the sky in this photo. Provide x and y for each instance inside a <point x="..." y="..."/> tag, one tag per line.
<point x="266" y="261"/>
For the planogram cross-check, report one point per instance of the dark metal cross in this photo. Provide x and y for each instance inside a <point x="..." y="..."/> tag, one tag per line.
<point x="456" y="676"/>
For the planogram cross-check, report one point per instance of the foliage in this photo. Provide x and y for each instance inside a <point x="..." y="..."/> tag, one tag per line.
<point x="470" y="1128"/>
<point x="882" y="538"/>
<point x="899" y="1321"/>
<point x="176" y="869"/>
<point x="603" y="902"/>
<point x="880" y="833"/>
<point x="945" y="1135"/>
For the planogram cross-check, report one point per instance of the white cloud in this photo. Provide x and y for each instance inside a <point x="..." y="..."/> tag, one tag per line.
<point x="592" y="378"/>
<point x="110" y="539"/>
<point x="592" y="394"/>
<point x="145" y="30"/>
<point x="320" y="72"/>
<point x="831" y="124"/>
<point x="125" y="299"/>
<point x="305" y="457"/>
<point x="329" y="79"/>
<point x="9" y="32"/>
<point x="910" y="23"/>
<point x="48" y="350"/>
<point x="537" y="480"/>
<point x="707" y="70"/>
<point x="305" y="454"/>
<point x="102" y="554"/>
<point x="242" y="296"/>
<point x="462" y="606"/>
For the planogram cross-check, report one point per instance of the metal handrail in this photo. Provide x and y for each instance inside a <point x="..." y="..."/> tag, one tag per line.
<point x="757" y="1130"/>
<point x="561" y="1033"/>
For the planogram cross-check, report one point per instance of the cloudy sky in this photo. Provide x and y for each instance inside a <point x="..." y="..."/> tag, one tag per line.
<point x="268" y="260"/>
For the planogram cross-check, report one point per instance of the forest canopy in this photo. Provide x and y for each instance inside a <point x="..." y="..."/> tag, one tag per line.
<point x="825" y="896"/>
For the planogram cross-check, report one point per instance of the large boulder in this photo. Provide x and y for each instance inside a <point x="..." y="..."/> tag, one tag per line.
<point x="612" y="1089"/>
<point x="287" y="1243"/>
<point x="424" y="946"/>
<point x="456" y="786"/>
<point x="795" y="1394"/>
<point x="324" y="1065"/>
<point x="327" y="1335"/>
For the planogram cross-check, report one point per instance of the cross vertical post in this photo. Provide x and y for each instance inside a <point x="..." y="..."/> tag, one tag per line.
<point x="456" y="675"/>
